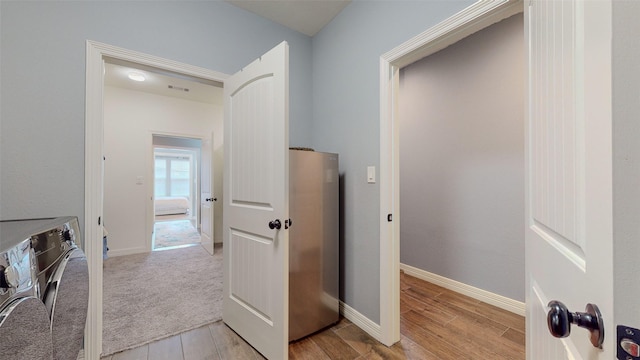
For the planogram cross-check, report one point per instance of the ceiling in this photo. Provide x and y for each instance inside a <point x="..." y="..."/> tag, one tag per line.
<point x="304" y="16"/>
<point x="159" y="82"/>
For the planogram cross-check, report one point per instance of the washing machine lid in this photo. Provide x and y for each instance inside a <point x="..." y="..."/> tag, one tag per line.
<point x="67" y="300"/>
<point x="24" y="330"/>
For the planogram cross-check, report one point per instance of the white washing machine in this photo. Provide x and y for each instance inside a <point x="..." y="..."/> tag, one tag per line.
<point x="24" y="321"/>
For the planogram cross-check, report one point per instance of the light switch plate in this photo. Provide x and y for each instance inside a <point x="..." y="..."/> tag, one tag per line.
<point x="371" y="174"/>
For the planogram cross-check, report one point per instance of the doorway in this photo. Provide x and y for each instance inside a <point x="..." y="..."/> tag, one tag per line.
<point x="176" y="188"/>
<point x="140" y="117"/>
<point x="462" y="199"/>
<point x="97" y="54"/>
<point x="474" y="18"/>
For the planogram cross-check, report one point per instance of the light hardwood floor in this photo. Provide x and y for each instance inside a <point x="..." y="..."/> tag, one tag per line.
<point x="436" y="323"/>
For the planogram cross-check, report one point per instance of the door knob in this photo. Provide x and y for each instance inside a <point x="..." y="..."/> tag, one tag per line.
<point x="275" y="224"/>
<point x="559" y="320"/>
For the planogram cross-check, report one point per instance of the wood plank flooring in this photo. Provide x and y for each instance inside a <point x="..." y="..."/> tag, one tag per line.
<point x="435" y="323"/>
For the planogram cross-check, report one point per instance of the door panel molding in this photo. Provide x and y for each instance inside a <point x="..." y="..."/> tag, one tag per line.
<point x="568" y="248"/>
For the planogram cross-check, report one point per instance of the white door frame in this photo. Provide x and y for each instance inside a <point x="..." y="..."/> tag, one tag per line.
<point x="468" y="21"/>
<point x="96" y="52"/>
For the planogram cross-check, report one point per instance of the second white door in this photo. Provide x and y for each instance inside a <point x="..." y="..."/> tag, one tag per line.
<point x="207" y="197"/>
<point x="256" y="203"/>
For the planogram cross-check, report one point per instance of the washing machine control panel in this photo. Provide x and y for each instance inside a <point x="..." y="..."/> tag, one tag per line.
<point x="18" y="270"/>
<point x="10" y="277"/>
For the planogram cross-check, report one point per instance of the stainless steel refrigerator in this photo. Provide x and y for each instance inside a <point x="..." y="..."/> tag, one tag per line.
<point x="313" y="242"/>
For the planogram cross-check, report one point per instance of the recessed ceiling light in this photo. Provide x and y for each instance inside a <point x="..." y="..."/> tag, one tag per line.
<point x="135" y="76"/>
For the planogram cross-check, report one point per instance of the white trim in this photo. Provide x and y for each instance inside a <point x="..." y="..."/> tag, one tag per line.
<point x="472" y="19"/>
<point x="128" y="251"/>
<point x="479" y="15"/>
<point x="93" y="188"/>
<point x="94" y="149"/>
<point x="361" y="321"/>
<point x="503" y="302"/>
<point x="389" y="230"/>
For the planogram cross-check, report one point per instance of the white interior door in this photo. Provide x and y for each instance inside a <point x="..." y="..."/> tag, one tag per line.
<point x="206" y="194"/>
<point x="569" y="242"/>
<point x="256" y="194"/>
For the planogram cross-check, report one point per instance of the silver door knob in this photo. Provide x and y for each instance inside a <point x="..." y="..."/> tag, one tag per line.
<point x="559" y="320"/>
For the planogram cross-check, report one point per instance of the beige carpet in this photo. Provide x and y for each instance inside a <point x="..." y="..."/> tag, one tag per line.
<point x="159" y="294"/>
<point x="174" y="233"/>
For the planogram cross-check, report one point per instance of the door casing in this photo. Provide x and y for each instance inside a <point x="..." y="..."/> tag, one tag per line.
<point x="96" y="53"/>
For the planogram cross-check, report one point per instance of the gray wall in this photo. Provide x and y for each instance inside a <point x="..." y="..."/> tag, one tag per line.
<point x="626" y="161"/>
<point x="346" y="120"/>
<point x="43" y="81"/>
<point x="462" y="161"/>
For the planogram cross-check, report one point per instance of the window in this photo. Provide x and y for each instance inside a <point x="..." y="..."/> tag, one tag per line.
<point x="173" y="175"/>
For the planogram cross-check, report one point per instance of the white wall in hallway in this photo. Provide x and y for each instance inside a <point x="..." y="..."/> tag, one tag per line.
<point x="130" y="119"/>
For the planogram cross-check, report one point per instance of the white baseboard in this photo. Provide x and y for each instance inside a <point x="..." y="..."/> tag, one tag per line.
<point x="361" y="321"/>
<point x="129" y="251"/>
<point x="500" y="301"/>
